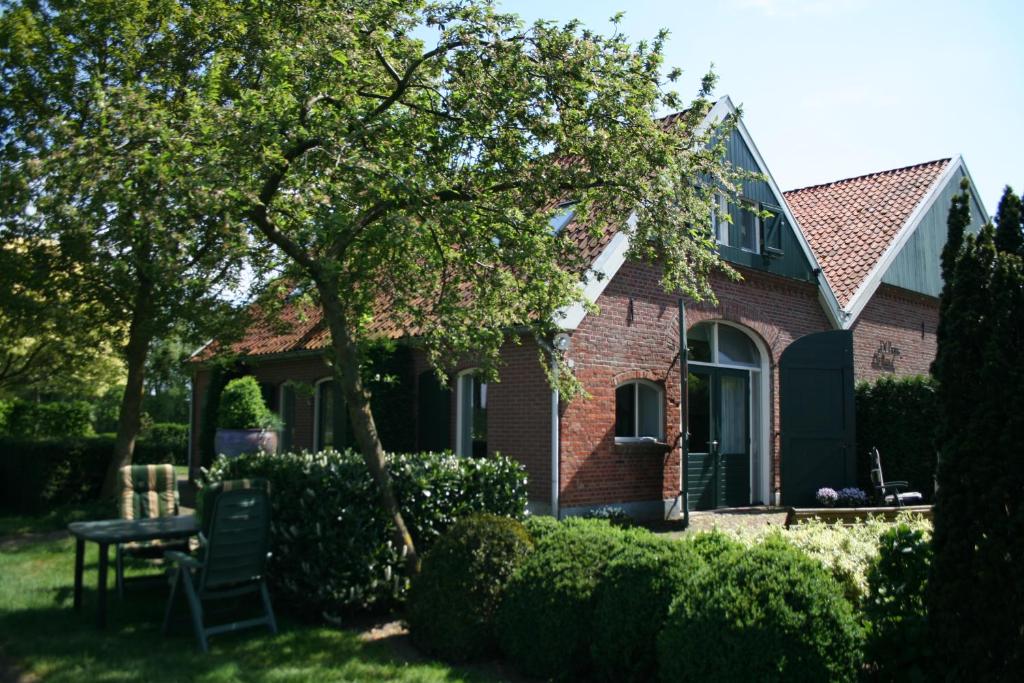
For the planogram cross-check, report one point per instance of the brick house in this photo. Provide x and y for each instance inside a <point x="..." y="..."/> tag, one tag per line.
<point x="859" y="255"/>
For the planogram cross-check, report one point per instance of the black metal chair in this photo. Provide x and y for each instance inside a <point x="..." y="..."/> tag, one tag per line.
<point x="234" y="548"/>
<point x="891" y="492"/>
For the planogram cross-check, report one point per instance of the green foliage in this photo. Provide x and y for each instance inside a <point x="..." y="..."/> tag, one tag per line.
<point x="5" y="409"/>
<point x="616" y="516"/>
<point x="896" y="612"/>
<point x="38" y="474"/>
<point x="631" y="602"/>
<point x="899" y="416"/>
<point x="162" y="442"/>
<point x="847" y="551"/>
<point x="332" y="544"/>
<point x="454" y="598"/>
<point x="977" y="586"/>
<point x="545" y="621"/>
<point x="539" y="526"/>
<point x="1010" y="224"/>
<point x="54" y="420"/>
<point x="242" y="406"/>
<point x="768" y="613"/>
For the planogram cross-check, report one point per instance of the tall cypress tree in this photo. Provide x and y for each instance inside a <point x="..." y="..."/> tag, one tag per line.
<point x="957" y="221"/>
<point x="1009" y="235"/>
<point x="977" y="587"/>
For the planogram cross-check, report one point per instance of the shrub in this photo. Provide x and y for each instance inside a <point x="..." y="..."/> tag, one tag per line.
<point x="767" y="613"/>
<point x="539" y="526"/>
<point x="162" y="442"/>
<point x="242" y="405"/>
<point x="332" y="546"/>
<point x="53" y="420"/>
<point x="631" y="602"/>
<point x="898" y="415"/>
<point x="545" y="620"/>
<point x="37" y="474"/>
<point x="452" y="602"/>
<point x="5" y="408"/>
<point x="845" y="550"/>
<point x="615" y="516"/>
<point x="895" y="609"/>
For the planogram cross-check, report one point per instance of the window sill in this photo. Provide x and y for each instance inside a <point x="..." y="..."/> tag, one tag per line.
<point x="633" y="445"/>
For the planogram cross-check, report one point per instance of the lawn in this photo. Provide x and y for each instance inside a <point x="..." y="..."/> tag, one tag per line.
<point x="40" y="631"/>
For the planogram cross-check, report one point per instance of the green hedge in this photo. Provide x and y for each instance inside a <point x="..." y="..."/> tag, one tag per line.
<point x="37" y="474"/>
<point x="899" y="415"/>
<point x="546" y="619"/>
<point x="52" y="420"/>
<point x="162" y="442"/>
<point x="767" y="613"/>
<point x="332" y="545"/>
<point x="453" y="600"/>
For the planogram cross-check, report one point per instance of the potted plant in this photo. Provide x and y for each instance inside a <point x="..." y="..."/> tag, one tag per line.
<point x="826" y="497"/>
<point x="244" y="423"/>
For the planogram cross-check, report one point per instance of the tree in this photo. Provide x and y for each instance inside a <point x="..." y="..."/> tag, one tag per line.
<point x="1009" y="225"/>
<point x="976" y="586"/>
<point x="406" y="159"/>
<point x="97" y="104"/>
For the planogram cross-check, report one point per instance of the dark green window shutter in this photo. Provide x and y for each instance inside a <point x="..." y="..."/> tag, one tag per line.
<point x="774" y="226"/>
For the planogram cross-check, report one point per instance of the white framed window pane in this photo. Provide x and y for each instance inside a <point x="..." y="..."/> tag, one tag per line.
<point x="649" y="409"/>
<point x="625" y="410"/>
<point x="734" y="415"/>
<point x="698" y="343"/>
<point x="748" y="228"/>
<point x="736" y="348"/>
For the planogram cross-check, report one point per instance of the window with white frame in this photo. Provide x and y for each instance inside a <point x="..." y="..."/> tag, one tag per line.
<point x="748" y="227"/>
<point x="719" y="223"/>
<point x="471" y="420"/>
<point x="639" y="412"/>
<point x="736" y="225"/>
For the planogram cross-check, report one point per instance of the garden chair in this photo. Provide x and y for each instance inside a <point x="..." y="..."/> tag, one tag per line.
<point x="145" y="492"/>
<point x="232" y="558"/>
<point x="891" y="492"/>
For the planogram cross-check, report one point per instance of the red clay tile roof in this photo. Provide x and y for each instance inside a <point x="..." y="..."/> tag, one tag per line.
<point x="850" y="223"/>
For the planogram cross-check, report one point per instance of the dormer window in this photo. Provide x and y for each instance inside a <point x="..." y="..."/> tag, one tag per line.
<point x="748" y="223"/>
<point x="563" y="214"/>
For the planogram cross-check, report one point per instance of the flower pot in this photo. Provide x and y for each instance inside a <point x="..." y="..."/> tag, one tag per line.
<point x="234" y="442"/>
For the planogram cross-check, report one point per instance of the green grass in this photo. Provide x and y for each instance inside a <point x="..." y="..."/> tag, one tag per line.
<point x="54" y="520"/>
<point x="40" y="631"/>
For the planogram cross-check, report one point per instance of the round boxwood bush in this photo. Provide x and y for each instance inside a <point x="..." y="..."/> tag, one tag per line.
<point x="631" y="602"/>
<point x="242" y="406"/>
<point x="453" y="600"/>
<point x="768" y="613"/>
<point x="544" y="621"/>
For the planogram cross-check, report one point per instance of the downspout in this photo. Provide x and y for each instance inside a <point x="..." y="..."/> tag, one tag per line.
<point x="684" y="423"/>
<point x="191" y="421"/>
<point x="555" y="511"/>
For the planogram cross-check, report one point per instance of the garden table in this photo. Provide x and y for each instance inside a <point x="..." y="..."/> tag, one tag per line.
<point x="109" y="532"/>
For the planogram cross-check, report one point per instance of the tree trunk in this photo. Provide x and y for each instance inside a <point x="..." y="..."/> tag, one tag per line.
<point x="129" y="419"/>
<point x="346" y="373"/>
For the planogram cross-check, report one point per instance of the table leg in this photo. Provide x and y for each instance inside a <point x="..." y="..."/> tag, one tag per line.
<point x="79" y="565"/>
<point x="101" y="614"/>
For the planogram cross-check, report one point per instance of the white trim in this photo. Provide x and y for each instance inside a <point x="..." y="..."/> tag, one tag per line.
<point x="200" y="349"/>
<point x="871" y="283"/>
<point x="316" y="411"/>
<point x="605" y="266"/>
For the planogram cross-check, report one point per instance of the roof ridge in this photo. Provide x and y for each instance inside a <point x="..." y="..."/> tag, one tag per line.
<point x="944" y="160"/>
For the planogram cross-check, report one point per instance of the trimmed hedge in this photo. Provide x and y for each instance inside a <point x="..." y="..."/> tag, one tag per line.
<point x="768" y="613"/>
<point x="332" y="546"/>
<point x="162" y="442"/>
<point x="36" y="474"/>
<point x="896" y="609"/>
<point x="52" y="420"/>
<point x="899" y="416"/>
<point x="242" y="406"/>
<point x="453" y="600"/>
<point x="546" y="618"/>
<point x="631" y="602"/>
<point x="539" y="526"/>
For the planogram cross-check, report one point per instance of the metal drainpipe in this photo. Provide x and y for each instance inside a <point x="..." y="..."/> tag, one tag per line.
<point x="555" y="511"/>
<point x="684" y="397"/>
<point x="191" y="421"/>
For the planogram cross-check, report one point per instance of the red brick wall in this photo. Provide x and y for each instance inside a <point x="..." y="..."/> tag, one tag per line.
<point x="895" y="334"/>
<point x="639" y="338"/>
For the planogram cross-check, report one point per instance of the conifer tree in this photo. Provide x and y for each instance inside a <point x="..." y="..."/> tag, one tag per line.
<point x="1009" y="235"/>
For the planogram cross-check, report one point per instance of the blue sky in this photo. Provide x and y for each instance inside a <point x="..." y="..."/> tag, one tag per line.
<point x="837" y="88"/>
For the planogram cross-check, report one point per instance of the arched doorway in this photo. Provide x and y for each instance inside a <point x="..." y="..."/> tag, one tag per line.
<point x="727" y="464"/>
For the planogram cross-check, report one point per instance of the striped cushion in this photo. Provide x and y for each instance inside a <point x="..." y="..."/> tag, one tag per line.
<point x="148" y="491"/>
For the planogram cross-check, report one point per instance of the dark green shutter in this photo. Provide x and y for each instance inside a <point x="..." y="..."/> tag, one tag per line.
<point x="774" y="226"/>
